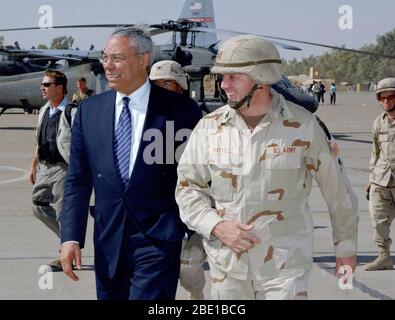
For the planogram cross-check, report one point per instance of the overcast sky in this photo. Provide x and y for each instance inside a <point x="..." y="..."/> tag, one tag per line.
<point x="308" y="20"/>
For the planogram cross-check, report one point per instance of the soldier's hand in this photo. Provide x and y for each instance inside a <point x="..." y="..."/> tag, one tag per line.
<point x="32" y="175"/>
<point x="70" y="252"/>
<point x="235" y="235"/>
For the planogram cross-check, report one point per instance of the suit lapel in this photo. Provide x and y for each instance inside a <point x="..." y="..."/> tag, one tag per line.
<point x="155" y="119"/>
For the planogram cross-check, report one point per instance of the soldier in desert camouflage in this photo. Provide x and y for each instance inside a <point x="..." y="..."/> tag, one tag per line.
<point x="256" y="158"/>
<point x="381" y="178"/>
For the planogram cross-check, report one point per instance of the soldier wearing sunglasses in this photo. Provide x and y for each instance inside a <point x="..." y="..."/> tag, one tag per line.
<point x="381" y="188"/>
<point x="48" y="169"/>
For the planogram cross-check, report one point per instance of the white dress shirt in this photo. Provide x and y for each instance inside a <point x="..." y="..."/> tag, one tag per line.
<point x="138" y="105"/>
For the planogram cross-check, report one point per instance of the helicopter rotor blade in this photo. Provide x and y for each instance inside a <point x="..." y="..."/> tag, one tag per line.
<point x="380" y="55"/>
<point x="55" y="58"/>
<point x="298" y="41"/>
<point x="235" y="33"/>
<point x="153" y="31"/>
<point x="156" y="31"/>
<point x="72" y="27"/>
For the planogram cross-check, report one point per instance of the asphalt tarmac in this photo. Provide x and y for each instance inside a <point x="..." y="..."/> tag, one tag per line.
<point x="26" y="244"/>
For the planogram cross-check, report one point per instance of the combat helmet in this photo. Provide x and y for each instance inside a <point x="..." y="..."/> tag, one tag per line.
<point x="168" y="69"/>
<point x="251" y="55"/>
<point x="387" y="84"/>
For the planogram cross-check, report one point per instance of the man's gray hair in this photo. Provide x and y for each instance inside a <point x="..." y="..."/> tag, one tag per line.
<point x="139" y="39"/>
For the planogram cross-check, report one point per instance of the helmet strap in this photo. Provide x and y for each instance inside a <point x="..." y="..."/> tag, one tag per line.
<point x="247" y="98"/>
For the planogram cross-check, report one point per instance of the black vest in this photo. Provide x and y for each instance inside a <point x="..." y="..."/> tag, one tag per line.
<point x="47" y="148"/>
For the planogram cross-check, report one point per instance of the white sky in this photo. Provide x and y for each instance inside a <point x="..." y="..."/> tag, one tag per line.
<point x="309" y="20"/>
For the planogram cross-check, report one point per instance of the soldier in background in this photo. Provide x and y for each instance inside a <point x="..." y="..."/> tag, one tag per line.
<point x="170" y="75"/>
<point x="256" y="158"/>
<point x="317" y="91"/>
<point x="322" y="92"/>
<point x="333" y="90"/>
<point x="82" y="92"/>
<point x="381" y="187"/>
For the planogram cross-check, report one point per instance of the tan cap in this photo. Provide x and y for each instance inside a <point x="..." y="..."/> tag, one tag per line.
<point x="387" y="84"/>
<point x="169" y="70"/>
<point x="251" y="55"/>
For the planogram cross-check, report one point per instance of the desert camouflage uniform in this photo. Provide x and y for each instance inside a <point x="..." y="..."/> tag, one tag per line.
<point x="263" y="178"/>
<point x="382" y="171"/>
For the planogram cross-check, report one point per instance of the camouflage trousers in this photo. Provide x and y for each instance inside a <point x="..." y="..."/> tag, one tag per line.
<point x="288" y="285"/>
<point x="47" y="194"/>
<point x="193" y="257"/>
<point x="382" y="212"/>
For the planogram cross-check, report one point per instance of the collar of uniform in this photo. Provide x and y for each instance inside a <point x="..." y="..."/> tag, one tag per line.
<point x="279" y="110"/>
<point x="228" y="114"/>
<point x="385" y="117"/>
<point x="139" y="98"/>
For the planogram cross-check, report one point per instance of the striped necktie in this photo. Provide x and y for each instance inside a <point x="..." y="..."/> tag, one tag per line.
<point x="122" y="142"/>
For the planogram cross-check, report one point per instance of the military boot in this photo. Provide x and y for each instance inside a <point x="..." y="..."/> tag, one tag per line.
<point x="382" y="262"/>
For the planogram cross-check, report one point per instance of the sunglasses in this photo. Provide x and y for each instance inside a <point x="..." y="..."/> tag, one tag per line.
<point x="388" y="98"/>
<point x="47" y="84"/>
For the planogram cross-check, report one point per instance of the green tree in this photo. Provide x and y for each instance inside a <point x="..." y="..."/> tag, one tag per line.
<point x="42" y="47"/>
<point x="1" y="41"/>
<point x="62" y="42"/>
<point x="295" y="67"/>
<point x="350" y="67"/>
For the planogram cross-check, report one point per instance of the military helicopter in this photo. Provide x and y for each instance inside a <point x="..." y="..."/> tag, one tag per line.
<point x="193" y="45"/>
<point x="21" y="70"/>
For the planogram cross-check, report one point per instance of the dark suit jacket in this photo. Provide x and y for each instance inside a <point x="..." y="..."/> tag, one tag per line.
<point x="149" y="198"/>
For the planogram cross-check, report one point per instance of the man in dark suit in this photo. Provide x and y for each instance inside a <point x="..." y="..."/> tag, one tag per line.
<point x="123" y="146"/>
